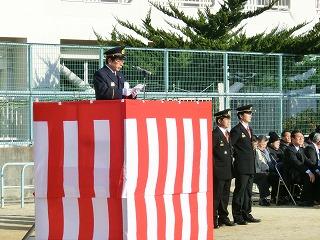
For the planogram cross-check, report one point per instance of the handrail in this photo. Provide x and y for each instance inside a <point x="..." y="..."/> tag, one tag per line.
<point x="22" y="186"/>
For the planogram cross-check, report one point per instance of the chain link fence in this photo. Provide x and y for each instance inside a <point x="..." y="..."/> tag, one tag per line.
<point x="284" y="89"/>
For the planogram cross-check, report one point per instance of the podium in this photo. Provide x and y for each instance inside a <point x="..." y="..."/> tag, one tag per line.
<point x="123" y="169"/>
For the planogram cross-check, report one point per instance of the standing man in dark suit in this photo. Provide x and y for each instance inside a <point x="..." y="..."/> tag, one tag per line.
<point x="222" y="157"/>
<point x="313" y="154"/>
<point x="244" y="167"/>
<point x="109" y="83"/>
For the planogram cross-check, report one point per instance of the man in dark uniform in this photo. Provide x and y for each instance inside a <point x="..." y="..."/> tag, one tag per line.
<point x="109" y="83"/>
<point x="222" y="157"/>
<point x="244" y="167"/>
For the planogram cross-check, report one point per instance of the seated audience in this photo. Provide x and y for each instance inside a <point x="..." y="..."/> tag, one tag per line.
<point x="297" y="164"/>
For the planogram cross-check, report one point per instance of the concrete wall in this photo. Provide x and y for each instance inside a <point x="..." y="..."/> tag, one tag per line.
<point x="12" y="173"/>
<point x="51" y="20"/>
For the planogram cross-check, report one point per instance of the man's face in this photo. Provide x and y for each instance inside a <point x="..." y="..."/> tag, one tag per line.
<point x="298" y="139"/>
<point x="246" y="117"/>
<point x="224" y="122"/>
<point x="287" y="137"/>
<point x="115" y="64"/>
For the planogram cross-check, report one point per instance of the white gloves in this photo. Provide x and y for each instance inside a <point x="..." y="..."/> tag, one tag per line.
<point x="127" y="91"/>
<point x="137" y="89"/>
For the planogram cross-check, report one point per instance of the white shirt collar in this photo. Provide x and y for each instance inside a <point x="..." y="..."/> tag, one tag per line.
<point x="115" y="73"/>
<point x="297" y="148"/>
<point x="316" y="147"/>
<point x="246" y="125"/>
<point x="223" y="130"/>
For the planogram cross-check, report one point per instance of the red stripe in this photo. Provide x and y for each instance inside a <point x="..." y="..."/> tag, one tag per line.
<point x="210" y="215"/>
<point x="86" y="219"/>
<point x="55" y="215"/>
<point x="115" y="218"/>
<point x="193" y="201"/>
<point x="86" y="155"/>
<point x="195" y="179"/>
<point x="178" y="216"/>
<point x="179" y="180"/>
<point x="162" y="173"/>
<point x="143" y="167"/>
<point x="55" y="190"/>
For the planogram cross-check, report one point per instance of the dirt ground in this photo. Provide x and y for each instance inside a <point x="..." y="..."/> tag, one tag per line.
<point x="278" y="223"/>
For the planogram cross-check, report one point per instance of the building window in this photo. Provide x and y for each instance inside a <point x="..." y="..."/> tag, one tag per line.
<point x="280" y="5"/>
<point x="317" y="5"/>
<point x="189" y="3"/>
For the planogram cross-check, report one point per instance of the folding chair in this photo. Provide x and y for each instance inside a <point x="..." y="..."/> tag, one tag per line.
<point x="281" y="181"/>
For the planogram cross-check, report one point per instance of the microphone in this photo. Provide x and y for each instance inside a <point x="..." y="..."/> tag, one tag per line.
<point x="144" y="71"/>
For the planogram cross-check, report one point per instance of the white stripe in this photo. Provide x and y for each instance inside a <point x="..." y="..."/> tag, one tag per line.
<point x="202" y="215"/>
<point x="101" y="158"/>
<point x="70" y="163"/>
<point x="41" y="154"/>
<point x="188" y="155"/>
<point x="186" y="218"/>
<point x="42" y="219"/>
<point x="70" y="218"/>
<point x="152" y="223"/>
<point x="170" y="217"/>
<point x="203" y="181"/>
<point x="129" y="221"/>
<point x="130" y="157"/>
<point x="172" y="155"/>
<point x="101" y="218"/>
<point x="153" y="144"/>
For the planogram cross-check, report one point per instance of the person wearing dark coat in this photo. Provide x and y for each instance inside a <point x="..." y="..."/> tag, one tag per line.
<point x="313" y="154"/>
<point x="298" y="165"/>
<point x="276" y="158"/>
<point x="222" y="157"/>
<point x="244" y="167"/>
<point x="109" y="83"/>
<point x="285" y="139"/>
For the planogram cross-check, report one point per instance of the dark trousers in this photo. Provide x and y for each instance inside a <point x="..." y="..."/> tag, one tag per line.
<point x="261" y="179"/>
<point x="221" y="198"/>
<point x="241" y="202"/>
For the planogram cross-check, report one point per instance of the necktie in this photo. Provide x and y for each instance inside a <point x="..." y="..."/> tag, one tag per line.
<point x="248" y="130"/>
<point x="226" y="134"/>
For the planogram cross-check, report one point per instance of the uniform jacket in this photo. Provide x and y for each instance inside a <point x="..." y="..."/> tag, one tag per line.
<point x="313" y="157"/>
<point x="222" y="155"/>
<point x="107" y="85"/>
<point x="243" y="153"/>
<point x="295" y="162"/>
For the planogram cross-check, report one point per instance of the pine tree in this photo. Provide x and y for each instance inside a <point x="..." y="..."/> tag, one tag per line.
<point x="216" y="31"/>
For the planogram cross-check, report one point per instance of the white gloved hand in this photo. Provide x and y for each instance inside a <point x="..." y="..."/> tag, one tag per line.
<point x="126" y="92"/>
<point x="139" y="87"/>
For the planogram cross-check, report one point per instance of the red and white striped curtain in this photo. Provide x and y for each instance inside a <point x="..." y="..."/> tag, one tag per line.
<point x="123" y="170"/>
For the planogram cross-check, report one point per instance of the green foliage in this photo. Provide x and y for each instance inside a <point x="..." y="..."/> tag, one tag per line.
<point x="215" y="31"/>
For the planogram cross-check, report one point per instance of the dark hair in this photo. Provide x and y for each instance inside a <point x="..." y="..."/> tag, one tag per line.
<point x="284" y="132"/>
<point x="295" y="132"/>
<point x="262" y="138"/>
<point x="222" y="117"/>
<point x="254" y="138"/>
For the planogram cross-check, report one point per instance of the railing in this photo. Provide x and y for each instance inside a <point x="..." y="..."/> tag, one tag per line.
<point x="22" y="185"/>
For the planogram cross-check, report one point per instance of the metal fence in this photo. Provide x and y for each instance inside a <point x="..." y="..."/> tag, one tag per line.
<point x="283" y="88"/>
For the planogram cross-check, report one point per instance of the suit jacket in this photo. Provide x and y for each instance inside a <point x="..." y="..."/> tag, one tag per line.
<point x="222" y="155"/>
<point x="107" y="85"/>
<point x="312" y="157"/>
<point x="295" y="162"/>
<point x="243" y="153"/>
